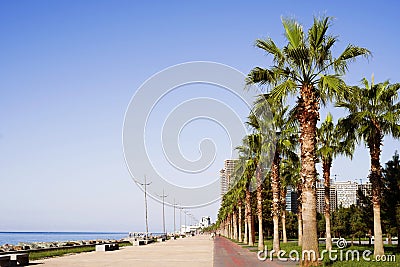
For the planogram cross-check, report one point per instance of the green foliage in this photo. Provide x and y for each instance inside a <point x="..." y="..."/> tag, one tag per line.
<point x="341" y="222"/>
<point x="372" y="112"/>
<point x="321" y="224"/>
<point x="36" y="255"/>
<point x="291" y="225"/>
<point x="330" y="143"/>
<point x="391" y="196"/>
<point x="306" y="59"/>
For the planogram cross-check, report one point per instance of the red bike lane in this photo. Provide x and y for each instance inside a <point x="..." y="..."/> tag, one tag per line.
<point x="228" y="254"/>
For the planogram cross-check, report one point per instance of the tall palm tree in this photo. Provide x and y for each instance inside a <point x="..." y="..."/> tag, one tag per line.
<point x="329" y="146"/>
<point x="284" y="127"/>
<point x="373" y="113"/>
<point x="305" y="66"/>
<point x="246" y="160"/>
<point x="257" y="142"/>
<point x="239" y="183"/>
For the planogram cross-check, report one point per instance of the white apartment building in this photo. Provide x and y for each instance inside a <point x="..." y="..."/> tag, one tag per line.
<point x="226" y="174"/>
<point x="346" y="193"/>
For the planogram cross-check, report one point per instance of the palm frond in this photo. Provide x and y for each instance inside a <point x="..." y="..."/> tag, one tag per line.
<point x="283" y="89"/>
<point x="270" y="47"/>
<point x="261" y="76"/>
<point x="350" y="53"/>
<point x="293" y="32"/>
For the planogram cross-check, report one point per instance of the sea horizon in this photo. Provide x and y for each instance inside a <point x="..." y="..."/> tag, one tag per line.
<point x="15" y="237"/>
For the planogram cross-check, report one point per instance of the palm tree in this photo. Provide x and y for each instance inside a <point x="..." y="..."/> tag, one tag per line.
<point x="256" y="143"/>
<point x="306" y="65"/>
<point x="284" y="127"/>
<point x="373" y="113"/>
<point x="239" y="183"/>
<point x="329" y="146"/>
<point x="248" y="164"/>
<point x="255" y="152"/>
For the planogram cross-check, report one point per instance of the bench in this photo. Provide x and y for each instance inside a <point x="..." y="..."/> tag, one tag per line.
<point x="107" y="247"/>
<point x="5" y="260"/>
<point x="19" y="259"/>
<point x="139" y="242"/>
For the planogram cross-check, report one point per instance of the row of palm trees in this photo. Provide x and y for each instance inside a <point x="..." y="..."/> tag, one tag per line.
<point x="306" y="68"/>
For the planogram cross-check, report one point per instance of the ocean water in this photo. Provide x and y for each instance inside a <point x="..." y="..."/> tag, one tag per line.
<point x="14" y="238"/>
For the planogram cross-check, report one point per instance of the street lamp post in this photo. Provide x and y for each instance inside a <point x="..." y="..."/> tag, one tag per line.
<point x="174" y="219"/>
<point x="145" y="203"/>
<point x="163" y="196"/>
<point x="180" y="221"/>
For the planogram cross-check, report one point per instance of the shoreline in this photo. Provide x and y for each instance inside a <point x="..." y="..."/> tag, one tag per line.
<point x="37" y="246"/>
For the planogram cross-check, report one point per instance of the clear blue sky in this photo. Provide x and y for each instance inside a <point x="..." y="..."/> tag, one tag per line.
<point x="68" y="70"/>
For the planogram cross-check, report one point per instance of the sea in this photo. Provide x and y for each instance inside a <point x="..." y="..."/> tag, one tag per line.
<point x="13" y="238"/>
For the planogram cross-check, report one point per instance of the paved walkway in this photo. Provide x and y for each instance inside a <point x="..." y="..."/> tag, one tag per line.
<point x="197" y="251"/>
<point x="194" y="251"/>
<point x="228" y="253"/>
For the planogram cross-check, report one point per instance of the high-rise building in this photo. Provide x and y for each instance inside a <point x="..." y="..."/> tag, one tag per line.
<point x="226" y="175"/>
<point x="224" y="184"/>
<point x="321" y="196"/>
<point x="291" y="199"/>
<point x="365" y="188"/>
<point x="341" y="194"/>
<point x="346" y="193"/>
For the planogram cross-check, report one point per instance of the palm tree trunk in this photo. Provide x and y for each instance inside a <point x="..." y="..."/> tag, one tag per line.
<point x="231" y="226"/>
<point x="252" y="230"/>
<point x="259" y="210"/>
<point x="308" y="116"/>
<point x="240" y="238"/>
<point x="376" y="180"/>
<point x="283" y="216"/>
<point x="228" y="228"/>
<point x="326" y="166"/>
<point x="246" y="225"/>
<point x="275" y="185"/>
<point x="299" y="215"/>
<point x="235" y="235"/>
<point x="249" y="218"/>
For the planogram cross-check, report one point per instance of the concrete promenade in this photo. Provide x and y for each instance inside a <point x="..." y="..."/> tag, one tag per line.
<point x="195" y="251"/>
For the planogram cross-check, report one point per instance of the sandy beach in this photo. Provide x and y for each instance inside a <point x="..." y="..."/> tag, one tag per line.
<point x="191" y="251"/>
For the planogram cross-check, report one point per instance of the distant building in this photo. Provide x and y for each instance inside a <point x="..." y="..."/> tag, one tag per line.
<point x="224" y="184"/>
<point x="346" y="193"/>
<point x="341" y="194"/>
<point x="321" y="196"/>
<point x="291" y="199"/>
<point x="365" y="188"/>
<point x="205" y="221"/>
<point x="226" y="174"/>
